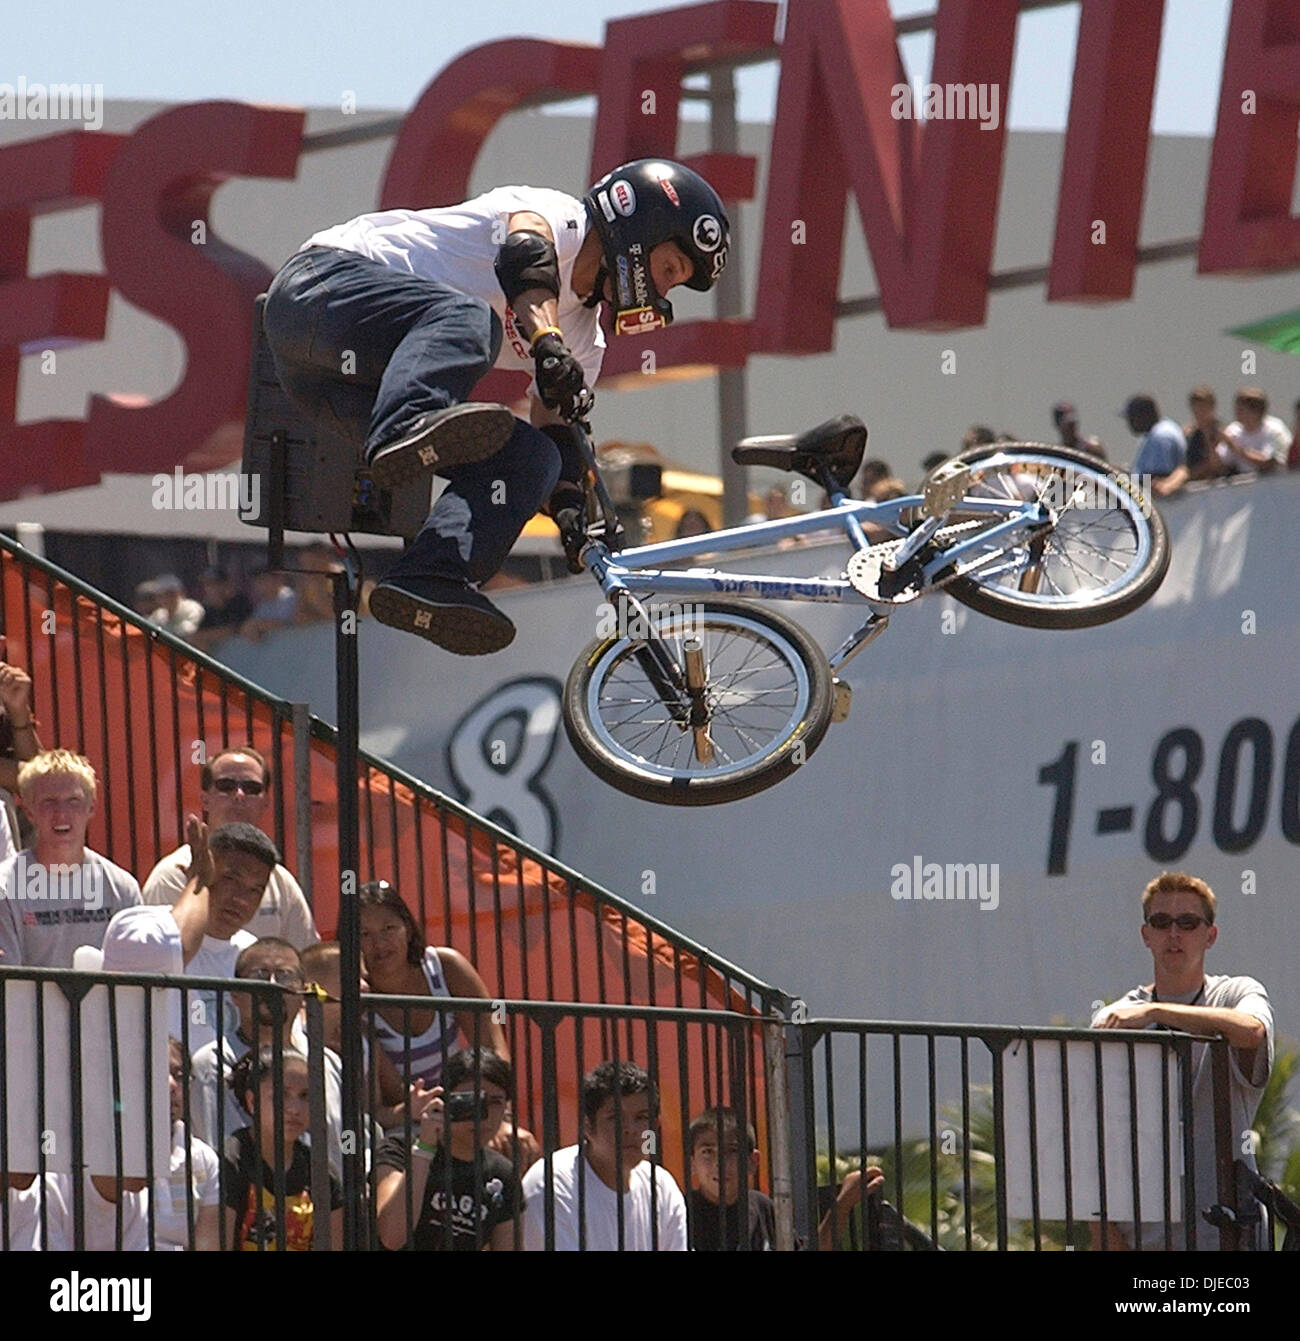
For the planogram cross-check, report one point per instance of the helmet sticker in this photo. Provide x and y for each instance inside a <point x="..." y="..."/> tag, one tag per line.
<point x="670" y="191"/>
<point x="707" y="233"/>
<point x="624" y="283"/>
<point x="623" y="197"/>
<point x="638" y="320"/>
<point x="640" y="283"/>
<point x="719" y="262"/>
<point x="602" y="199"/>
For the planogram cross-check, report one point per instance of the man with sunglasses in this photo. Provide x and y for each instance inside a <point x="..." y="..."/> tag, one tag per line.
<point x="1178" y="912"/>
<point x="237" y="789"/>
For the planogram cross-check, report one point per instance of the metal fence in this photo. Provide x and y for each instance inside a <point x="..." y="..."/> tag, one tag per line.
<point x="102" y="1123"/>
<point x="1033" y="1139"/>
<point x="1024" y="1138"/>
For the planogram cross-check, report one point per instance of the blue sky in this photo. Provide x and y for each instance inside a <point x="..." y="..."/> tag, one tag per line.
<point x="308" y="54"/>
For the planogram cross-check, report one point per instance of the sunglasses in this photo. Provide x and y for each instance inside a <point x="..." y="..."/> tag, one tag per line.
<point x="280" y="977"/>
<point x="229" y="786"/>
<point x="1184" y="921"/>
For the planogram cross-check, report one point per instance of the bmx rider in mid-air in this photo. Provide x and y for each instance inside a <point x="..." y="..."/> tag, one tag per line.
<point x="380" y="327"/>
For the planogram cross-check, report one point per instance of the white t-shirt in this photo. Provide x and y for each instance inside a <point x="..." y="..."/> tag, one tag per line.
<point x="25" y="1216"/>
<point x="215" y="959"/>
<point x="170" y="1227"/>
<point x="47" y="914"/>
<point x="1221" y="992"/>
<point x="7" y="845"/>
<point x="283" y="912"/>
<point x="600" y="1206"/>
<point x="1272" y="436"/>
<point x="458" y="246"/>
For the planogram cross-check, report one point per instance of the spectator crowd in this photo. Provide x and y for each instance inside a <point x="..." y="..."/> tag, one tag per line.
<point x="450" y="1165"/>
<point x="224" y="607"/>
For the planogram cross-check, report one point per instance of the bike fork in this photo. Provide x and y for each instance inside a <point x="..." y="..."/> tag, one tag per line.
<point x="656" y="659"/>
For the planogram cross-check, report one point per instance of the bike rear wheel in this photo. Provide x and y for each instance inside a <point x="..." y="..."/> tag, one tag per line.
<point x="766" y="689"/>
<point x="1107" y="553"/>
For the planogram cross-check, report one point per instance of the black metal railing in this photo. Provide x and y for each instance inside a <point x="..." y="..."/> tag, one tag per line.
<point x="1021" y="1138"/>
<point x="988" y="1138"/>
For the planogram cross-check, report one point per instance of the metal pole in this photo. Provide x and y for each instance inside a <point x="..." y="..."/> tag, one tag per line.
<point x="732" y="385"/>
<point x="320" y="1169"/>
<point x="347" y="589"/>
<point x="778" y="1128"/>
<point x="301" y="717"/>
<point x="1225" y="1172"/>
<point x="799" y="1098"/>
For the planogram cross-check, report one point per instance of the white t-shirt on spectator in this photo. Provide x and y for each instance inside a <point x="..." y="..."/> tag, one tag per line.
<point x="25" y="1216"/>
<point x="72" y="908"/>
<point x="7" y="845"/>
<point x="283" y="912"/>
<point x="215" y="959"/>
<point x="1272" y="436"/>
<point x="170" y="1224"/>
<point x="171" y="1219"/>
<point x="600" y="1206"/>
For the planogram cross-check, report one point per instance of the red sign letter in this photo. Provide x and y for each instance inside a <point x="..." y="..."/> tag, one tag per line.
<point x="1248" y="222"/>
<point x="53" y="173"/>
<point x="1106" y="143"/>
<point x="928" y="198"/>
<point x="436" y="147"/>
<point x="646" y="58"/>
<point x="162" y="256"/>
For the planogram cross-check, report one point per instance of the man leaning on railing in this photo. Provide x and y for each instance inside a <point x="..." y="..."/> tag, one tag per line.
<point x="1178" y="927"/>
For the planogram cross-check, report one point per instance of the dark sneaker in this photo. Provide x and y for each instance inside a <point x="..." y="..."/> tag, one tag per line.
<point x="456" y="436"/>
<point x="448" y="613"/>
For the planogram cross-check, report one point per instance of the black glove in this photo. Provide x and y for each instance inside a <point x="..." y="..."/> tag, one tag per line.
<point x="560" y="381"/>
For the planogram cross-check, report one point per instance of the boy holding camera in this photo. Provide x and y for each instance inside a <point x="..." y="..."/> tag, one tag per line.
<point x="449" y="1164"/>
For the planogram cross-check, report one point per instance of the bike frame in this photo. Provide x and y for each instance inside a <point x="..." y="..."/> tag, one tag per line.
<point x="633" y="571"/>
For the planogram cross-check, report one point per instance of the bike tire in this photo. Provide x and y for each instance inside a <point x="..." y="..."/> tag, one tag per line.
<point x="1084" y="610"/>
<point x="595" y="736"/>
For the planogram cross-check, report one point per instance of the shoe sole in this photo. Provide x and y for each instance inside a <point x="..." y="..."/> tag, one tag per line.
<point x="457" y="628"/>
<point x="460" y="439"/>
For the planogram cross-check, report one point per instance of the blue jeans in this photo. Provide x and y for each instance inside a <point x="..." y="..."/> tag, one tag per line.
<point x="364" y="351"/>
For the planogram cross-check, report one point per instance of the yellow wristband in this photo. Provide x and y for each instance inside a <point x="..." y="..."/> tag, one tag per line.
<point x="545" y="330"/>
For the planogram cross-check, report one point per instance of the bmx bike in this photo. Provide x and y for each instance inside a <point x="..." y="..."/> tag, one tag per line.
<point x="713" y="700"/>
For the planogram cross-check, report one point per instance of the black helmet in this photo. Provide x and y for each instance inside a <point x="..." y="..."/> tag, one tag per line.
<point x="635" y="208"/>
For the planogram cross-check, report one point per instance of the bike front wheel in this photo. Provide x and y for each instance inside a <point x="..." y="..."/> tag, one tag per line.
<point x="766" y="696"/>
<point x="1105" y="555"/>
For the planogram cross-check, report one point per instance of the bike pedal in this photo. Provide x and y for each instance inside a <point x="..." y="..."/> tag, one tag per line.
<point x="842" y="700"/>
<point x="942" y="495"/>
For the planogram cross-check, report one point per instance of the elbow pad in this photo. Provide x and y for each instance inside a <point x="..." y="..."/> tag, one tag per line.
<point x="527" y="261"/>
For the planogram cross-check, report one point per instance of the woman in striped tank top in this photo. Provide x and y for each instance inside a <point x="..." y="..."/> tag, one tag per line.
<point x="399" y="963"/>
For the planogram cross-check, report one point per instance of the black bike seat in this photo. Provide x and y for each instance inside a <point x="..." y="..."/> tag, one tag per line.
<point x="837" y="444"/>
